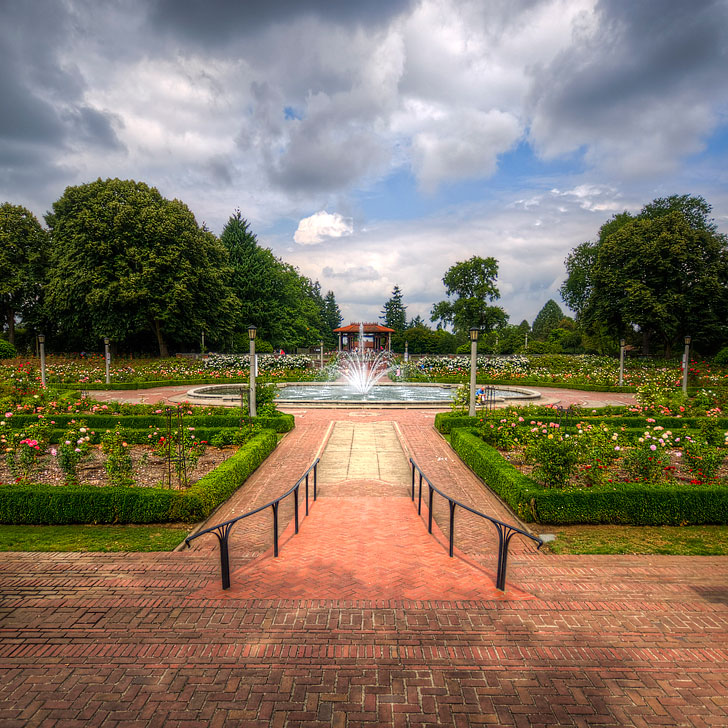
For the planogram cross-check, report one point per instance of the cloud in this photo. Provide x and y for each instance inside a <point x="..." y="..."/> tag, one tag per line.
<point x="322" y="225"/>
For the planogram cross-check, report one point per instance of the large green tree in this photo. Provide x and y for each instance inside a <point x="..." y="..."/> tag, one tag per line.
<point x="469" y="285"/>
<point x="661" y="273"/>
<point x="126" y="262"/>
<point x="547" y="319"/>
<point x="23" y="250"/>
<point x="332" y="319"/>
<point x="394" y="314"/>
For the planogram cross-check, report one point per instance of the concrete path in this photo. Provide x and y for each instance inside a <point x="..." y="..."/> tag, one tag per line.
<point x="363" y="620"/>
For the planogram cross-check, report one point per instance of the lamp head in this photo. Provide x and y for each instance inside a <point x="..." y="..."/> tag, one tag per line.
<point x="252" y="331"/>
<point x="41" y="338"/>
<point x="688" y="339"/>
<point x="474" y="332"/>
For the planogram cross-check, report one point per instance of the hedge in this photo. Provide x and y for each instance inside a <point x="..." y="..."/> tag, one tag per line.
<point x="279" y="423"/>
<point x="40" y="504"/>
<point x="445" y="422"/>
<point x="637" y="504"/>
<point x="115" y="386"/>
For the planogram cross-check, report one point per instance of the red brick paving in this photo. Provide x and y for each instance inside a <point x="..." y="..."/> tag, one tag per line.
<point x="138" y="640"/>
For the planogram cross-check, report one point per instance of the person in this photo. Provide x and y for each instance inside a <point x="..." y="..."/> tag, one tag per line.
<point x="479" y="394"/>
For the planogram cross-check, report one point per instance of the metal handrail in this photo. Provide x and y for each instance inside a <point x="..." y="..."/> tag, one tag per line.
<point x="505" y="530"/>
<point x="222" y="530"/>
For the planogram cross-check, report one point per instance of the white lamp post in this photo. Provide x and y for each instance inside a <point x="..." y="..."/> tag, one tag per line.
<point x="321" y="354"/>
<point x="107" y="357"/>
<point x="621" y="361"/>
<point x="686" y="359"/>
<point x="473" y="367"/>
<point x="41" y="342"/>
<point x="252" y="331"/>
<point x="406" y="351"/>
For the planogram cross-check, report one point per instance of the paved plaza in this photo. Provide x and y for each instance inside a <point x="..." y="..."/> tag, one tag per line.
<point x="363" y="619"/>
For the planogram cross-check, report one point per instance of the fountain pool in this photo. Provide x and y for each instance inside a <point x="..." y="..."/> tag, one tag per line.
<point x="339" y="394"/>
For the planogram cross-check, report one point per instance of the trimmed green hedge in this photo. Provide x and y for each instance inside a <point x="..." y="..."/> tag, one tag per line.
<point x="115" y="386"/>
<point x="638" y="504"/>
<point x="445" y="422"/>
<point x="56" y="505"/>
<point x="279" y="423"/>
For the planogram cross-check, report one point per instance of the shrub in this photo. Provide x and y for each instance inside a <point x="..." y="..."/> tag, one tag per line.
<point x="556" y="458"/>
<point x="72" y="449"/>
<point x="7" y="350"/>
<point x="721" y="358"/>
<point x="118" y="463"/>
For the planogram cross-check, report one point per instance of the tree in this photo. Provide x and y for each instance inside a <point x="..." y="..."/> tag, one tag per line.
<point x="23" y="248"/>
<point x="472" y="284"/>
<point x="125" y="262"/>
<point x="661" y="273"/>
<point x="395" y="312"/>
<point x="332" y="319"/>
<point x="547" y="319"/>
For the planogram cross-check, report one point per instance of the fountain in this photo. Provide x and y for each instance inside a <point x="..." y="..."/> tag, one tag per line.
<point x="363" y="372"/>
<point x="363" y="369"/>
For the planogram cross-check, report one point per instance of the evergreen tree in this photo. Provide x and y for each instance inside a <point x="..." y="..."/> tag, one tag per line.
<point x="332" y="320"/>
<point x="394" y="313"/>
<point x="547" y="319"/>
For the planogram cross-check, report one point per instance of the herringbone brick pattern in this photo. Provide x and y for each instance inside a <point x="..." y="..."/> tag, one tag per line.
<point x="149" y="639"/>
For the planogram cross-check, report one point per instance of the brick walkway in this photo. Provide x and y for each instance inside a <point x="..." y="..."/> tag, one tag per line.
<point x="151" y="640"/>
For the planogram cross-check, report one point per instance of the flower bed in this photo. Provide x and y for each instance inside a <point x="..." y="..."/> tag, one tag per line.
<point x="637" y="503"/>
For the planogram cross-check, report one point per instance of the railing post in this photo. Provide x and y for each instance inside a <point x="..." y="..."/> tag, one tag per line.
<point x="224" y="560"/>
<point x="295" y="507"/>
<point x="275" y="528"/>
<point x="452" y="526"/>
<point x="315" y="468"/>
<point x="419" y="498"/>
<point x="413" y="479"/>
<point x="432" y="493"/>
<point x="307" y="493"/>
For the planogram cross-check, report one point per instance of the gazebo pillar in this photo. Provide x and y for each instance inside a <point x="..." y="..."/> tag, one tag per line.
<point x="341" y="336"/>
<point x="389" y="342"/>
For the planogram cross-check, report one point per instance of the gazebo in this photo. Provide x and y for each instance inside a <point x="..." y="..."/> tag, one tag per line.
<point x="376" y="337"/>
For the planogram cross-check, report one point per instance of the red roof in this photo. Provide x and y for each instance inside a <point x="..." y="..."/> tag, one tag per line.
<point x="368" y="329"/>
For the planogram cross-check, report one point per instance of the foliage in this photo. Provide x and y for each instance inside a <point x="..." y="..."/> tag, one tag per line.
<point x="472" y="284"/>
<point x="72" y="449"/>
<point x="127" y="263"/>
<point x="721" y="358"/>
<point x="24" y="446"/>
<point x="7" y="350"/>
<point x="23" y="249"/>
<point x="394" y="314"/>
<point x="660" y="272"/>
<point x="547" y="319"/>
<point x="555" y="457"/>
<point x="118" y="462"/>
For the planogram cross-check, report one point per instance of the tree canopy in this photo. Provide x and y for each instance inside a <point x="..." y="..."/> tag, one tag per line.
<point x="23" y="247"/>
<point x="547" y="319"/>
<point x="469" y="286"/>
<point x="394" y="313"/>
<point x="661" y="273"/>
<point x="125" y="261"/>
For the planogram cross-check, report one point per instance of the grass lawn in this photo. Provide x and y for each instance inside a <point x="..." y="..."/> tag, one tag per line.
<point x="92" y="538"/>
<point x="675" y="540"/>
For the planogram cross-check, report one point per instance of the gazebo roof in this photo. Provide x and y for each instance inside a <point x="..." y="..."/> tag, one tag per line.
<point x="368" y="329"/>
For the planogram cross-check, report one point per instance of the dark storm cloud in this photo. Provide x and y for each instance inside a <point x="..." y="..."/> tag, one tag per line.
<point x="43" y="111"/>
<point x="218" y="21"/>
<point x="642" y="56"/>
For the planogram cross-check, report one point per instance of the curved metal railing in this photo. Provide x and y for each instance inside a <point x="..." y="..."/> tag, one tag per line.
<point x="505" y="530"/>
<point x="222" y="530"/>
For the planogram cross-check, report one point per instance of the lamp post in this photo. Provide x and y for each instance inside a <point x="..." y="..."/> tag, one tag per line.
<point x="202" y="347"/>
<point x="621" y="361"/>
<point x="321" y="354"/>
<point x="41" y="342"/>
<point x="473" y="367"/>
<point x="406" y="351"/>
<point x="252" y="331"/>
<point x="526" y="347"/>
<point x="107" y="357"/>
<point x="686" y="359"/>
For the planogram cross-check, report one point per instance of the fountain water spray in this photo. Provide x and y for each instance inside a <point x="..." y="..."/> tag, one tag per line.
<point x="363" y="369"/>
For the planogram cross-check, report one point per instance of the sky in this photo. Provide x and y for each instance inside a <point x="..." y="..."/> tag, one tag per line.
<point x="376" y="143"/>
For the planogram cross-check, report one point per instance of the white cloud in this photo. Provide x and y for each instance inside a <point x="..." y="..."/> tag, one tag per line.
<point x="322" y="225"/>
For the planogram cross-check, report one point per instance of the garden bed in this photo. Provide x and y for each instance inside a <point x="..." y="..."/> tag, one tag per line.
<point x="676" y="503"/>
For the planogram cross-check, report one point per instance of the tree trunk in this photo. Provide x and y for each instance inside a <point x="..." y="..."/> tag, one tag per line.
<point x="645" y="343"/>
<point x="11" y="326"/>
<point x="163" y="351"/>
